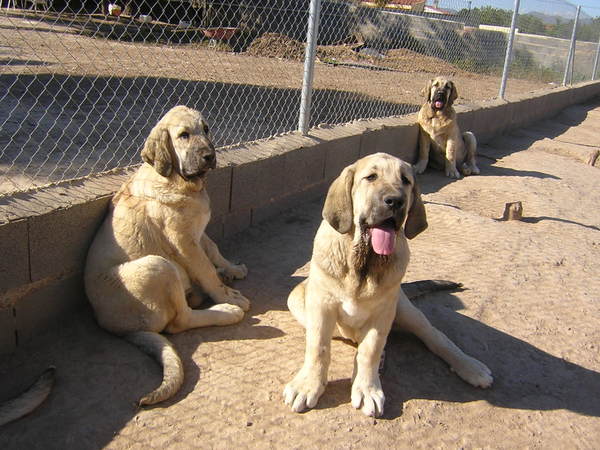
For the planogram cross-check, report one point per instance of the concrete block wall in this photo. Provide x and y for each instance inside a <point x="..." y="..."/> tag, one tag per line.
<point x="44" y="235"/>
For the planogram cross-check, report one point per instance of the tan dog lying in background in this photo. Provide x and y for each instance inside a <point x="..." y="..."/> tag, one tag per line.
<point x="359" y="257"/>
<point x="440" y="138"/>
<point x="152" y="247"/>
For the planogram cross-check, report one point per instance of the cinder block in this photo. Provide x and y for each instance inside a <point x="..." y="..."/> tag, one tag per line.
<point x="8" y="337"/>
<point x="368" y="142"/>
<point x="14" y="248"/>
<point x="340" y="153"/>
<point x="214" y="229"/>
<point x="492" y="119"/>
<point x="218" y="185"/>
<point x="528" y="110"/>
<point x="540" y="109"/>
<point x="400" y="141"/>
<point x="257" y="182"/>
<point x="47" y="307"/>
<point x="303" y="167"/>
<point x="264" y="212"/>
<point x="59" y="241"/>
<point x="236" y="221"/>
<point x="466" y="119"/>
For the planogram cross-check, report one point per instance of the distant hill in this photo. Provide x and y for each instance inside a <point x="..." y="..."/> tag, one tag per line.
<point x="562" y="16"/>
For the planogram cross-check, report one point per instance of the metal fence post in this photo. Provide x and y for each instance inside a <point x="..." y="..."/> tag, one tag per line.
<point x="568" y="78"/>
<point x="509" y="47"/>
<point x="596" y="61"/>
<point x="309" y="65"/>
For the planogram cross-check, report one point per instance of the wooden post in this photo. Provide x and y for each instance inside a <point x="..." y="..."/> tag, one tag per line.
<point x="513" y="211"/>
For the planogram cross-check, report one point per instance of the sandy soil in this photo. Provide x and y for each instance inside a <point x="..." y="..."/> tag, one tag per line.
<point x="61" y="48"/>
<point x="76" y="102"/>
<point x="529" y="311"/>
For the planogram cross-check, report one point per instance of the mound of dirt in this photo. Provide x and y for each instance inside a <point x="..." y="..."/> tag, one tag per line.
<point x="275" y="45"/>
<point x="408" y="61"/>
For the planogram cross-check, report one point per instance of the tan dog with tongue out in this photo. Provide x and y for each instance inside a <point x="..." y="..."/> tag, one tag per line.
<point x="359" y="258"/>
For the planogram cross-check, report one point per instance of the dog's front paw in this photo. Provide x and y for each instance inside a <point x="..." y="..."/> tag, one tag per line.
<point x="474" y="372"/>
<point x="474" y="169"/>
<point x="421" y="166"/>
<point x="368" y="397"/>
<point x="233" y="297"/>
<point x="451" y="171"/>
<point x="236" y="271"/>
<point x="303" y="391"/>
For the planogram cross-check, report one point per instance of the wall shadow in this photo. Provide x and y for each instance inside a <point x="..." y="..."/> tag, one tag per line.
<point x="100" y="377"/>
<point x="514" y="141"/>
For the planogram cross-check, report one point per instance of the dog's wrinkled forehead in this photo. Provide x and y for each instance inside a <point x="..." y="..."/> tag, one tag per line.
<point x="440" y="83"/>
<point x="384" y="167"/>
<point x="183" y="119"/>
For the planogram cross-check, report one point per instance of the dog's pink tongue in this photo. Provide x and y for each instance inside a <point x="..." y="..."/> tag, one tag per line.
<point x="439" y="104"/>
<point x="383" y="240"/>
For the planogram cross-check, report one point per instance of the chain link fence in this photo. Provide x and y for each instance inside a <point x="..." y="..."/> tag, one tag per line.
<point x="84" y="82"/>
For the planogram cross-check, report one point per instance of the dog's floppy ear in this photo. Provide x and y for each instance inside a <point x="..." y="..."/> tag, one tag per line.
<point x="426" y="91"/>
<point x="338" y="203"/>
<point x="453" y="93"/>
<point x="156" y="151"/>
<point x="416" y="221"/>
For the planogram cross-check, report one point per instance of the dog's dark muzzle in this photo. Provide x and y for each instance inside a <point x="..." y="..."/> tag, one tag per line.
<point x="200" y="163"/>
<point x="439" y="99"/>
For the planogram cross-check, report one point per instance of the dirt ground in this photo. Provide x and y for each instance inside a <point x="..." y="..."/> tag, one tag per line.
<point x="529" y="310"/>
<point x="75" y="102"/>
<point x="34" y="46"/>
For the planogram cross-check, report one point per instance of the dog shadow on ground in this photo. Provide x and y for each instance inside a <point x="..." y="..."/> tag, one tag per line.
<point x="525" y="377"/>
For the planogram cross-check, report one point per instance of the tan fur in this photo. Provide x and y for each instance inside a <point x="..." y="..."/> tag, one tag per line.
<point x="351" y="288"/>
<point x="152" y="248"/>
<point x="440" y="138"/>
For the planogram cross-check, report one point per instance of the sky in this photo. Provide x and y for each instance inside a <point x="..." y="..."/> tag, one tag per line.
<point x="554" y="7"/>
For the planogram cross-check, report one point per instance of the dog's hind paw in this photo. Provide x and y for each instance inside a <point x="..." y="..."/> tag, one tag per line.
<point x="452" y="172"/>
<point x="237" y="271"/>
<point x="474" y="372"/>
<point x="420" y="166"/>
<point x="226" y="314"/>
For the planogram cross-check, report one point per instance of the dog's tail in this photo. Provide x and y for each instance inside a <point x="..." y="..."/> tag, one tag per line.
<point x="161" y="349"/>
<point x="417" y="289"/>
<point x="29" y="400"/>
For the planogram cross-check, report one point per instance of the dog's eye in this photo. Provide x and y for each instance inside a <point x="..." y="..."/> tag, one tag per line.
<point x="184" y="135"/>
<point x="371" y="177"/>
<point x="405" y="180"/>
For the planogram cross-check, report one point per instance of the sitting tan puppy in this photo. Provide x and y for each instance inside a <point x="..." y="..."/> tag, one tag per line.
<point x="152" y="247"/>
<point x="359" y="257"/>
<point x="440" y="138"/>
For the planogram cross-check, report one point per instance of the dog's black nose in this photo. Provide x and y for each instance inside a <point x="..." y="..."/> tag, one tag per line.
<point x="393" y="201"/>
